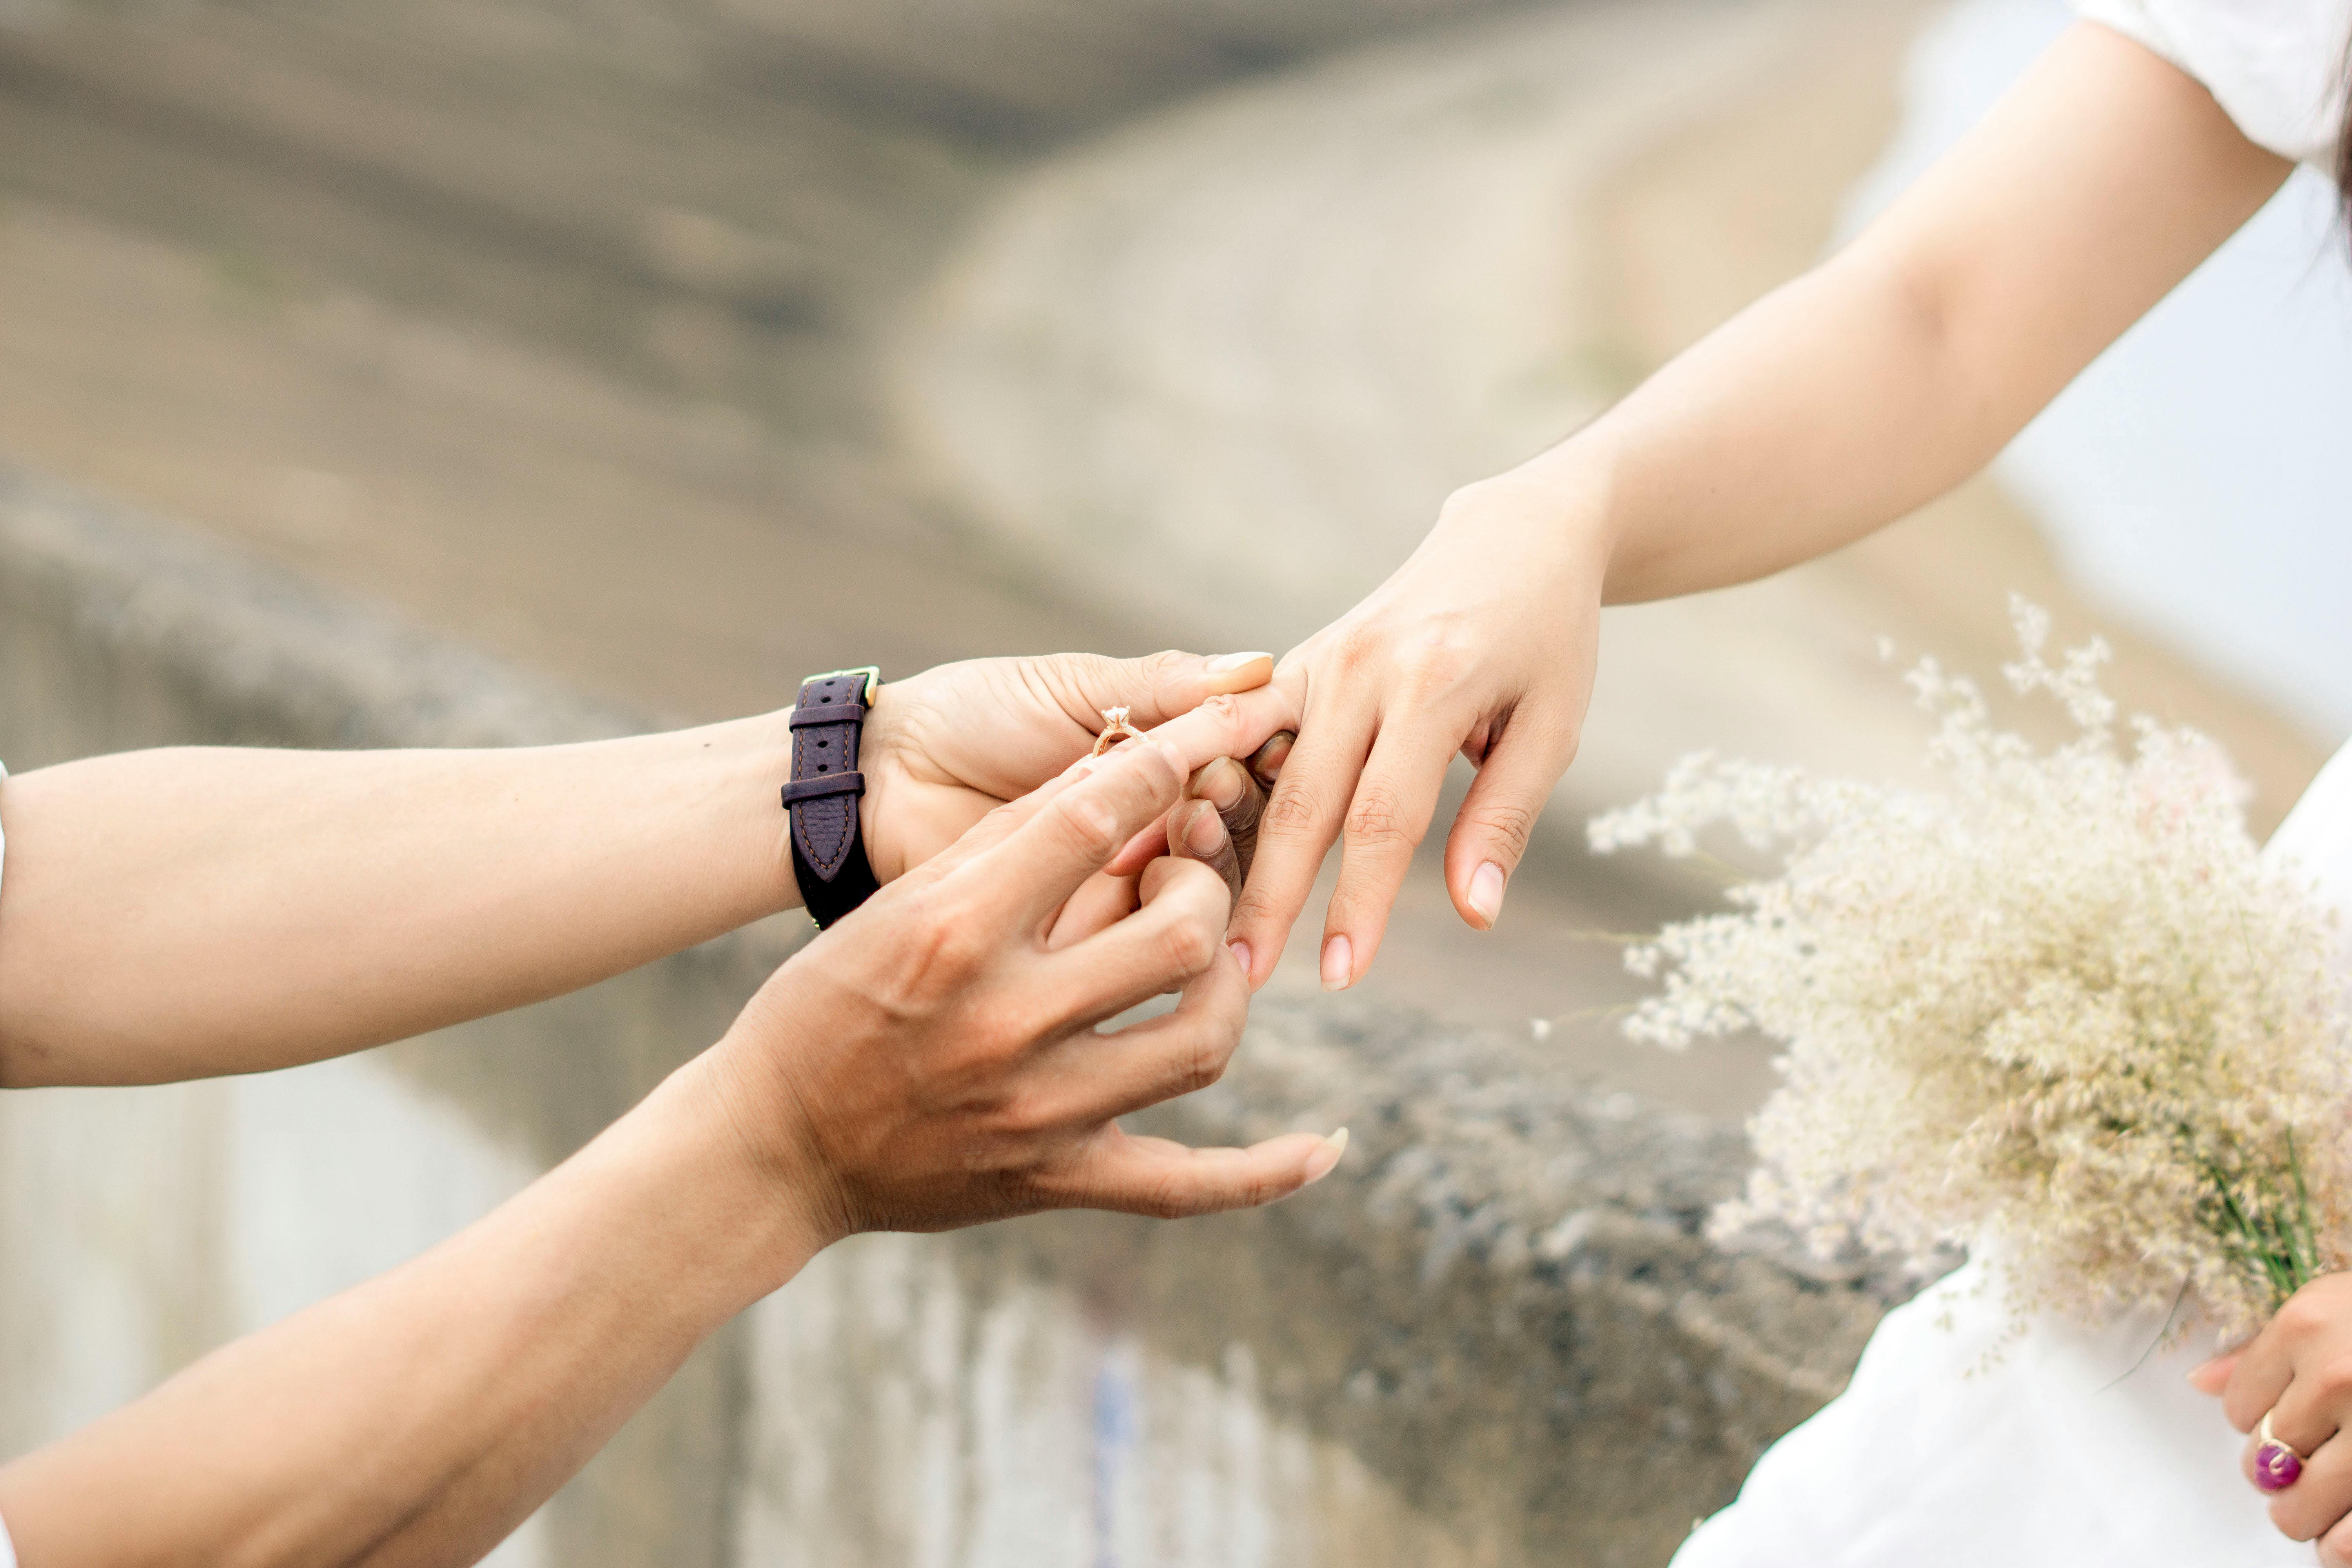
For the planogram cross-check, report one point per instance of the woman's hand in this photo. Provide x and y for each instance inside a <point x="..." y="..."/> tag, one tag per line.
<point x="2298" y="1372"/>
<point x="944" y="748"/>
<point x="1482" y="643"/>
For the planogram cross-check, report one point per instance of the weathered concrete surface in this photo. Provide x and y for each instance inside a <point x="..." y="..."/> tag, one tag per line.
<point x="1492" y="1338"/>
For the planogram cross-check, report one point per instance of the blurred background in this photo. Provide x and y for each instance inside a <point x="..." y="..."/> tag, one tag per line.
<point x="675" y="349"/>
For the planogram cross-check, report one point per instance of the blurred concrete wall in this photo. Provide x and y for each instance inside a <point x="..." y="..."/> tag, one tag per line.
<point x="1494" y="1337"/>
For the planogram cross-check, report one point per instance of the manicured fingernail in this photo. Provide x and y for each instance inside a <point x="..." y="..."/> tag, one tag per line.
<point x="1206" y="833"/>
<point x="1225" y="662"/>
<point x="1337" y="956"/>
<point x="1240" y="950"/>
<point x="1222" y="784"/>
<point x="1320" y="1163"/>
<point x="1486" y="891"/>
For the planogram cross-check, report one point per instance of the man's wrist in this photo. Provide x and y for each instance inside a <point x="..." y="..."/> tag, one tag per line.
<point x="750" y="1196"/>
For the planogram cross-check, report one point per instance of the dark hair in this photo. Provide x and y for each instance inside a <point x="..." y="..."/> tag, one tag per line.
<point x="2344" y="161"/>
<point x="2344" y="148"/>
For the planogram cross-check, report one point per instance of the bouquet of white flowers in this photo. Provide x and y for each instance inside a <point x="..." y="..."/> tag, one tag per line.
<point x="2063" y="1008"/>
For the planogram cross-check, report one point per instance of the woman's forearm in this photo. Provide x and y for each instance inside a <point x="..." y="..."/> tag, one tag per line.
<point x="1865" y="389"/>
<point x="180" y="913"/>
<point x="1831" y="408"/>
<point x="420" y="1417"/>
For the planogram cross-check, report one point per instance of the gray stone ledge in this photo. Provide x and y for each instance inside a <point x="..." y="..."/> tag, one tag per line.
<point x="244" y="652"/>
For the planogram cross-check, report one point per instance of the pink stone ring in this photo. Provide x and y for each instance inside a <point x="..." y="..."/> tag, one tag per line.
<point x="2276" y="1465"/>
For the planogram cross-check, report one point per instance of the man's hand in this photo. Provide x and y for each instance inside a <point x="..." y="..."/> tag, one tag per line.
<point x="933" y="1061"/>
<point x="1215" y="824"/>
<point x="944" y="748"/>
<point x="2298" y="1372"/>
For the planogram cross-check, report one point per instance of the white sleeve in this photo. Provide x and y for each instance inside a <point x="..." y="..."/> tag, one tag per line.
<point x="2131" y="18"/>
<point x="7" y="1547"/>
<point x="2275" y="67"/>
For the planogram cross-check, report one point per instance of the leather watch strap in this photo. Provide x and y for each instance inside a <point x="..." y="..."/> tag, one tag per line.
<point x="829" y="857"/>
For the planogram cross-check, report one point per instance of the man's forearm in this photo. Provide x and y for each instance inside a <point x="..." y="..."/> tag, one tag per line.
<point x="180" y="914"/>
<point x="418" y="1418"/>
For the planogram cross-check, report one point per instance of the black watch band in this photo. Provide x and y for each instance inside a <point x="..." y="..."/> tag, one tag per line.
<point x="828" y="854"/>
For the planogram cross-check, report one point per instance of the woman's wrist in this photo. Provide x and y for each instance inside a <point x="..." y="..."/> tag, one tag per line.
<point x="1552" y="512"/>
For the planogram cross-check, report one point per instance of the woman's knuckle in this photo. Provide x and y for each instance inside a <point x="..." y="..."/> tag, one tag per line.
<point x="1360" y="647"/>
<point x="2302" y="1316"/>
<point x="1507" y="824"/>
<point x="1256" y="908"/>
<point x="1436" y="662"/>
<point x="1378" y="817"/>
<point x="1292" y="811"/>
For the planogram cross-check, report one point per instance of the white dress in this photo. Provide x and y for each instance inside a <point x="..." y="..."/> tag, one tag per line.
<point x="2075" y="1447"/>
<point x="2070" y="1450"/>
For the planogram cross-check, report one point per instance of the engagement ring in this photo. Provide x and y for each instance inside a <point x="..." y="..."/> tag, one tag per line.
<point x="1115" y="729"/>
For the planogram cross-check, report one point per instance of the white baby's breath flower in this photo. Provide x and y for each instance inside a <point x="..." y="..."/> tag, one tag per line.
<point x="2061" y="1006"/>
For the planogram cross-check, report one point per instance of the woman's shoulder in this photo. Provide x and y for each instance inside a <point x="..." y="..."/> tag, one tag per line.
<point x="2276" y="67"/>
